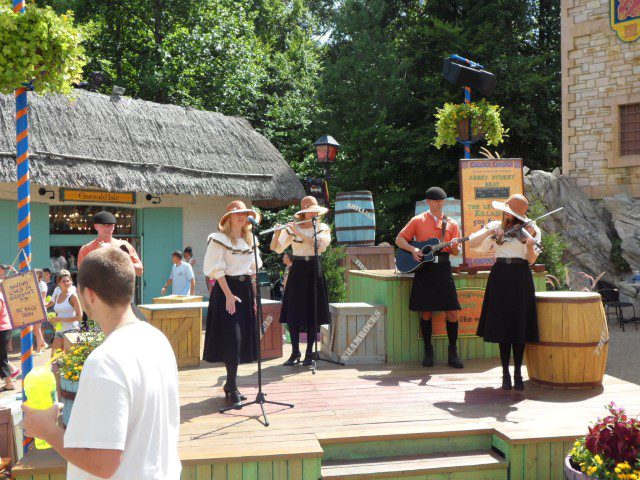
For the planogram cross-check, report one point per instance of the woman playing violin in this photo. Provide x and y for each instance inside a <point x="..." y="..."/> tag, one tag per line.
<point x="509" y="315"/>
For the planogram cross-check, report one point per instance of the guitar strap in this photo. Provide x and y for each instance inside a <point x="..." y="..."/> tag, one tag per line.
<point x="444" y="227"/>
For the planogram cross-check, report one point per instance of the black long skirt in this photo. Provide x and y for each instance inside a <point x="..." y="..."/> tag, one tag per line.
<point x="298" y="299"/>
<point x="434" y="289"/>
<point x="509" y="312"/>
<point x="231" y="338"/>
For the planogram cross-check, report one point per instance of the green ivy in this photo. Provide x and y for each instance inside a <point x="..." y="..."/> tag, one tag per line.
<point x="553" y="247"/>
<point x="485" y="120"/>
<point x="334" y="273"/>
<point x="40" y="46"/>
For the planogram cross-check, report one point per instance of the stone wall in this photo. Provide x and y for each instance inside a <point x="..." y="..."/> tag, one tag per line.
<point x="600" y="72"/>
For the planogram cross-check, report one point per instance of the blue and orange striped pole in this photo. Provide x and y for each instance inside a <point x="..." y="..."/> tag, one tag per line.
<point x="24" y="212"/>
<point x="467" y="100"/>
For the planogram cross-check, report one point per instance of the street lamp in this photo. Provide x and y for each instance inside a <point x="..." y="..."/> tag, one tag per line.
<point x="326" y="150"/>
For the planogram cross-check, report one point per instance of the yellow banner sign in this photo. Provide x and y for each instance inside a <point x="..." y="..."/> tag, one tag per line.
<point x="471" y="303"/>
<point x="482" y="182"/>
<point x="23" y="300"/>
<point x="625" y="19"/>
<point x="96" y="196"/>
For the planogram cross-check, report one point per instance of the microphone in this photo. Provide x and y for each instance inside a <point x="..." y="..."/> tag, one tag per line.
<point x="253" y="222"/>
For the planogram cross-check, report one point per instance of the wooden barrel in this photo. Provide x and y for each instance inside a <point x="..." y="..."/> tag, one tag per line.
<point x="574" y="341"/>
<point x="355" y="218"/>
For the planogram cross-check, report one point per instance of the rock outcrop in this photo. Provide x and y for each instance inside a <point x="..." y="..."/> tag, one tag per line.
<point x="625" y="213"/>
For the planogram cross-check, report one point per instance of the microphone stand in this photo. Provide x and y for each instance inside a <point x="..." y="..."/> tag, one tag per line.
<point x="260" y="397"/>
<point x="316" y="275"/>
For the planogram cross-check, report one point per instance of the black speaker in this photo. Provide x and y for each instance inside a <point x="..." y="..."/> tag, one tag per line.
<point x="478" y="80"/>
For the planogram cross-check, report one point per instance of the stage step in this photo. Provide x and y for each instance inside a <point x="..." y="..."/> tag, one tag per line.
<point x="402" y="438"/>
<point x="479" y="465"/>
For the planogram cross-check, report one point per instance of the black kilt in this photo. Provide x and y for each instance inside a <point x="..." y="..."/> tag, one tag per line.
<point x="231" y="338"/>
<point x="433" y="289"/>
<point x="298" y="299"/>
<point x="509" y="312"/>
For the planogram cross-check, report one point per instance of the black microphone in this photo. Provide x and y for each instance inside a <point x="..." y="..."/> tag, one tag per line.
<point x="253" y="222"/>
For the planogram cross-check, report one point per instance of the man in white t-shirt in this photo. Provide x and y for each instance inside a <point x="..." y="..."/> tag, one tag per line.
<point x="126" y="415"/>
<point x="182" y="279"/>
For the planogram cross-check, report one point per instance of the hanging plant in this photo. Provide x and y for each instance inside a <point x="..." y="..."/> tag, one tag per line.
<point x="40" y="46"/>
<point x="453" y="123"/>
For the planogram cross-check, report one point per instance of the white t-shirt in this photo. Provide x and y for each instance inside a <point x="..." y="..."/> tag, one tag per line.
<point x="181" y="276"/>
<point x="128" y="400"/>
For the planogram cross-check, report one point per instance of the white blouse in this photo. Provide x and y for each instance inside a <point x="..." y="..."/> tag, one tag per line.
<point x="301" y="249"/>
<point x="224" y="258"/>
<point x="511" y="248"/>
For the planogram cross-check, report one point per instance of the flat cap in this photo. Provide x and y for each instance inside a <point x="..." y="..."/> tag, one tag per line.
<point x="104" y="218"/>
<point x="435" y="193"/>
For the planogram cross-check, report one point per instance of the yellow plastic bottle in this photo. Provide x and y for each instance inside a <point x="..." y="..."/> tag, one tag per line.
<point x="40" y="389"/>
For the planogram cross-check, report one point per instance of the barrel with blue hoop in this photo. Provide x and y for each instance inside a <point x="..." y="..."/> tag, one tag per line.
<point x="355" y="218"/>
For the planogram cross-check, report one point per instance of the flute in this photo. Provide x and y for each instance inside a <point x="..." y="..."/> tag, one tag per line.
<point x="275" y="229"/>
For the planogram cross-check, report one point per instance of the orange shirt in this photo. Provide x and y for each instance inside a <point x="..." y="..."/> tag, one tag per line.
<point x="95" y="245"/>
<point x="424" y="226"/>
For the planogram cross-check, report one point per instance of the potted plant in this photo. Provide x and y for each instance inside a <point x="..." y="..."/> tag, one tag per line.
<point x="69" y="367"/>
<point x="611" y="450"/>
<point x="452" y="123"/>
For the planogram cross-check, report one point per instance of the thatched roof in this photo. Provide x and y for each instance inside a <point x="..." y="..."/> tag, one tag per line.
<point x="121" y="144"/>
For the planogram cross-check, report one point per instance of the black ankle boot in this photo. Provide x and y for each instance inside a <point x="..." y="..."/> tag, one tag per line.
<point x="518" y="384"/>
<point x="293" y="360"/>
<point x="428" y="356"/>
<point x="227" y="392"/>
<point x="235" y="399"/>
<point x="454" y="361"/>
<point x="308" y="360"/>
<point x="506" y="382"/>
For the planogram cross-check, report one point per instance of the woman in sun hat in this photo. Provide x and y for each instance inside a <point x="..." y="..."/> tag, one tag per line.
<point x="509" y="315"/>
<point x="302" y="291"/>
<point x="231" y="331"/>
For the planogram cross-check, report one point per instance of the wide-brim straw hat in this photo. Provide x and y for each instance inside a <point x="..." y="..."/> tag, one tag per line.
<point x="517" y="205"/>
<point x="238" y="206"/>
<point x="310" y="205"/>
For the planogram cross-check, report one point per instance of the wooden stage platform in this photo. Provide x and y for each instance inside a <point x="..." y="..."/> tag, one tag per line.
<point x="376" y="421"/>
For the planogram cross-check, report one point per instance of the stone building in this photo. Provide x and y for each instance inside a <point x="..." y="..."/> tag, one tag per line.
<point x="601" y="96"/>
<point x="166" y="172"/>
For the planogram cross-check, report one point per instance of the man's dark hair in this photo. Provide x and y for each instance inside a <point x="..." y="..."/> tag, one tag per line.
<point x="108" y="272"/>
<point x="46" y="269"/>
<point x="177" y="253"/>
<point x="188" y="250"/>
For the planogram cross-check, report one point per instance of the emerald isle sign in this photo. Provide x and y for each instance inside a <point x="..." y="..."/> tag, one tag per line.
<point x="625" y="19"/>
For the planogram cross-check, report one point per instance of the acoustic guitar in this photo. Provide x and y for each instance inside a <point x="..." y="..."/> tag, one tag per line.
<point x="405" y="262"/>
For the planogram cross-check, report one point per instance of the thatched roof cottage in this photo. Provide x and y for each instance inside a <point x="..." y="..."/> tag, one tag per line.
<point x="96" y="151"/>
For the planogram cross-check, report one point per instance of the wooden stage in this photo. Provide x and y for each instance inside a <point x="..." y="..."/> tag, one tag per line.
<point x="376" y="421"/>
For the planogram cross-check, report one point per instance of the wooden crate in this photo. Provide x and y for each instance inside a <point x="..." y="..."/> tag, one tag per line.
<point x="347" y="321"/>
<point x="182" y="326"/>
<point x="378" y="257"/>
<point x="8" y="446"/>
<point x="178" y="299"/>
<point x="271" y="343"/>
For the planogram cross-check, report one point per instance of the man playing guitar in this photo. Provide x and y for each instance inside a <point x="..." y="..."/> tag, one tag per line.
<point x="433" y="288"/>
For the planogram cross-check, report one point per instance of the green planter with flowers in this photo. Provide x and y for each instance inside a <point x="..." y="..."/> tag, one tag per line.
<point x="611" y="450"/>
<point x="453" y="121"/>
<point x="69" y="366"/>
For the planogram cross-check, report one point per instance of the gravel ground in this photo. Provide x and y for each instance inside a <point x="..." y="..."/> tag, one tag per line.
<point x="624" y="353"/>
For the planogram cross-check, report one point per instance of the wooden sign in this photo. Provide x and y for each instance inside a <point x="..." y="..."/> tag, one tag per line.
<point x="23" y="300"/>
<point x="482" y="182"/>
<point x="96" y="196"/>
<point x="471" y="303"/>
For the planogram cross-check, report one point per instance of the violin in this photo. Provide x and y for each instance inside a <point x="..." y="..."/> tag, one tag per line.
<point x="520" y="232"/>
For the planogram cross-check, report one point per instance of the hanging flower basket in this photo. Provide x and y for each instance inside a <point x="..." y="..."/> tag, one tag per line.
<point x="571" y="473"/>
<point x="452" y="123"/>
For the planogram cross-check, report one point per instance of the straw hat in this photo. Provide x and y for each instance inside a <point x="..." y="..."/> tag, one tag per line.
<point x="238" y="206"/>
<point x="517" y="205"/>
<point x="310" y="205"/>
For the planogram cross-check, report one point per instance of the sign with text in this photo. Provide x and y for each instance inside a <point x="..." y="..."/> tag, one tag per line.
<point x="482" y="182"/>
<point x="23" y="300"/>
<point x="97" y="196"/>
<point x="625" y="19"/>
<point x="471" y="303"/>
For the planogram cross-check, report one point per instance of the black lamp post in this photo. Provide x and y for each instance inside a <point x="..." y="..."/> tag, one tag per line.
<point x="326" y="150"/>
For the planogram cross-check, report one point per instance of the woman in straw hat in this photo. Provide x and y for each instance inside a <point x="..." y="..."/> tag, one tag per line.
<point x="302" y="291"/>
<point x="231" y="331"/>
<point x="509" y="314"/>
